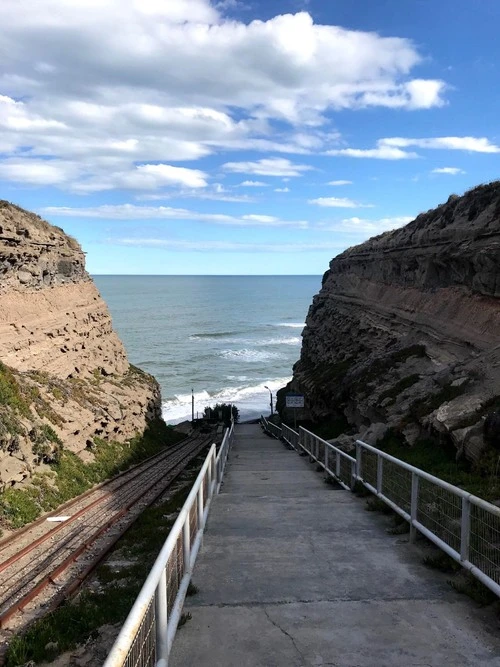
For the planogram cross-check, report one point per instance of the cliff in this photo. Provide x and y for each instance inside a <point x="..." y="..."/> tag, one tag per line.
<point x="405" y="332"/>
<point x="64" y="375"/>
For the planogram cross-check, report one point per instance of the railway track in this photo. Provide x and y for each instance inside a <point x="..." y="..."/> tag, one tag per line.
<point x="51" y="560"/>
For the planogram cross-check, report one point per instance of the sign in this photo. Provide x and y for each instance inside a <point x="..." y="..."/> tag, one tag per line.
<point x="294" y="400"/>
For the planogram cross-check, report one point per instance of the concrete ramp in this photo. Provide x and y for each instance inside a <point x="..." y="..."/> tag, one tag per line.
<point x="294" y="573"/>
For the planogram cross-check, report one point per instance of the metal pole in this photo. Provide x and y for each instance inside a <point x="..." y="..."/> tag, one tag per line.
<point x="295" y="419"/>
<point x="414" y="507"/>
<point x="161" y="618"/>
<point x="270" y="398"/>
<point x="192" y="405"/>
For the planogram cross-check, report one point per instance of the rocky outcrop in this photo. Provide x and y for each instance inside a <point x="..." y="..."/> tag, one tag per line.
<point x="406" y="328"/>
<point x="64" y="375"/>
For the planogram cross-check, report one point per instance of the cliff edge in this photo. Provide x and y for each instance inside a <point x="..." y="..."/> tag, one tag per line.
<point x="64" y="375"/>
<point x="405" y="332"/>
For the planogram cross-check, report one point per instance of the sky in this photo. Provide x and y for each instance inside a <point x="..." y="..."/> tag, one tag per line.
<point x="243" y="137"/>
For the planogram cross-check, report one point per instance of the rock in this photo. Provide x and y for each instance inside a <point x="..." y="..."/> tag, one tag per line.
<point x="412" y="433"/>
<point x="374" y="433"/>
<point x="346" y="443"/>
<point x="57" y="344"/>
<point x="405" y="327"/>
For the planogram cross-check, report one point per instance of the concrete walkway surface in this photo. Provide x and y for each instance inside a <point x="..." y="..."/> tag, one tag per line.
<point x="295" y="573"/>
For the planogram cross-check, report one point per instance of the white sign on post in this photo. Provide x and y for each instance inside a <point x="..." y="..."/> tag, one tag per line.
<point x="294" y="400"/>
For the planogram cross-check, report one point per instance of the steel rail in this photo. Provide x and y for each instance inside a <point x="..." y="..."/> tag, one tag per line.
<point x="137" y="472"/>
<point x="7" y="541"/>
<point x="178" y="466"/>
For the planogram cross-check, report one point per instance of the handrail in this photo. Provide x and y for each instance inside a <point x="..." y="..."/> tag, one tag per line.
<point x="152" y="622"/>
<point x="463" y="525"/>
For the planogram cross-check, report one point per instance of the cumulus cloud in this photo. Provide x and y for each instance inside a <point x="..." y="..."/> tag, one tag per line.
<point x="140" y="82"/>
<point x="453" y="171"/>
<point x="282" y="189"/>
<point x="340" y="182"/>
<point x="134" y="212"/>
<point x="254" y="184"/>
<point x="268" y="167"/>
<point x="337" y="202"/>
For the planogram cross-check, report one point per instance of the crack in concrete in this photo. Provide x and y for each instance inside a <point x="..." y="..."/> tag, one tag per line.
<point x="287" y="634"/>
<point x="277" y="603"/>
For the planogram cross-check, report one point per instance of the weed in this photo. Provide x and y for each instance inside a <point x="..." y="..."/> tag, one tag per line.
<point x="360" y="490"/>
<point x="442" y="562"/>
<point x="185" y="617"/>
<point x="399" y="527"/>
<point x="377" y="505"/>
<point x="467" y="584"/>
<point x="192" y="589"/>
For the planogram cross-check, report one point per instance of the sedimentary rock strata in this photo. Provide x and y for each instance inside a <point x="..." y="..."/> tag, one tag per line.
<point x="405" y="331"/>
<point x="63" y="369"/>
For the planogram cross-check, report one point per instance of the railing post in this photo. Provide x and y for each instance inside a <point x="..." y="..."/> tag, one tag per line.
<point x="161" y="615"/>
<point x="465" y="530"/>
<point x="200" y="504"/>
<point x="337" y="464"/>
<point x="359" y="470"/>
<point x="326" y="458"/>
<point x="380" y="472"/>
<point x="186" y="545"/>
<point x="414" y="506"/>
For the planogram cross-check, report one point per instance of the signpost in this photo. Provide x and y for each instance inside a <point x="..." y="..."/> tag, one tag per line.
<point x="294" y="401"/>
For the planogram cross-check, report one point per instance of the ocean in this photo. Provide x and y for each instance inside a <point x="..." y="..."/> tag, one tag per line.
<point x="225" y="337"/>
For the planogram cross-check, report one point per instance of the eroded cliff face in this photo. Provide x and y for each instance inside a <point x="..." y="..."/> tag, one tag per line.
<point x="405" y="332"/>
<point x="64" y="374"/>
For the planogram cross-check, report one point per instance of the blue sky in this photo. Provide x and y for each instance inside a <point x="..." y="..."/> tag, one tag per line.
<point x="243" y="137"/>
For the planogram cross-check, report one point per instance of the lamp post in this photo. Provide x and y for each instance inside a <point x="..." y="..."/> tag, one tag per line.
<point x="270" y="398"/>
<point x="192" y="405"/>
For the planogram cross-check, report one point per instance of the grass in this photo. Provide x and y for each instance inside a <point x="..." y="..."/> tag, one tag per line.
<point x="79" y="620"/>
<point x="439" y="459"/>
<point x="70" y="476"/>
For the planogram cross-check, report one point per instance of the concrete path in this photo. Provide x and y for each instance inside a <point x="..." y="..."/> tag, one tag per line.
<point x="294" y="573"/>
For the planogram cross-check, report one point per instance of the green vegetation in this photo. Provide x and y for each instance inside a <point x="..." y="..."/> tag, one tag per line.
<point x="329" y="428"/>
<point x="222" y="412"/>
<point x="70" y="476"/>
<point x="439" y="459"/>
<point x="11" y="394"/>
<point x="78" y="621"/>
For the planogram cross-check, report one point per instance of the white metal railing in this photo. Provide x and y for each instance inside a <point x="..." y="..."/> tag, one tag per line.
<point x="270" y="428"/>
<point x="466" y="527"/>
<point x="147" y="635"/>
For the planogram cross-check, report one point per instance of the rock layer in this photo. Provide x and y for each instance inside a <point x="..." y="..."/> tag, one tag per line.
<point x="64" y="371"/>
<point x="406" y="328"/>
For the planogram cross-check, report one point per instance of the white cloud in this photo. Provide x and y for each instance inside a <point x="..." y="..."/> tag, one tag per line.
<point x="337" y="202"/>
<point x="453" y="171"/>
<point x="254" y="184"/>
<point x="132" y="82"/>
<point x="393" y="148"/>
<point x="382" y="152"/>
<point x="282" y="189"/>
<point x="268" y="167"/>
<point x="37" y="172"/>
<point x="364" y="226"/>
<point x="134" y="212"/>
<point x="225" y="246"/>
<point x="339" y="183"/>
<point x="473" y="144"/>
